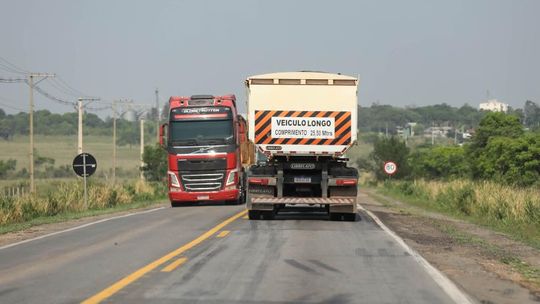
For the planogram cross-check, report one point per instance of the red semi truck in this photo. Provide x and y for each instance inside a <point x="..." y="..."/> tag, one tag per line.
<point x="207" y="149"/>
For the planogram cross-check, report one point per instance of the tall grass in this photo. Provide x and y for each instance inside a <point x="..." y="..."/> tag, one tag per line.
<point x="510" y="209"/>
<point x="64" y="197"/>
<point x="483" y="199"/>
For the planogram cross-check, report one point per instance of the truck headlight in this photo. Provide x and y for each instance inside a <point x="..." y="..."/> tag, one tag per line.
<point x="231" y="178"/>
<point x="173" y="179"/>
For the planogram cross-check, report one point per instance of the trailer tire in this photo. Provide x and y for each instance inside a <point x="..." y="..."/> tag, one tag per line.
<point x="268" y="215"/>
<point x="254" y="214"/>
<point x="346" y="217"/>
<point x="349" y="217"/>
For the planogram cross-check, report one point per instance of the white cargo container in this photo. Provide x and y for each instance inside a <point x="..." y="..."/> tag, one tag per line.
<point x="304" y="122"/>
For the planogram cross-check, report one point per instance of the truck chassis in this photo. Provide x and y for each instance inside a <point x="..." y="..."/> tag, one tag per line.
<point x="291" y="181"/>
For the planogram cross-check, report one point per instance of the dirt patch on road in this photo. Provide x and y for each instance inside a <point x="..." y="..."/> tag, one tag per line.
<point x="489" y="266"/>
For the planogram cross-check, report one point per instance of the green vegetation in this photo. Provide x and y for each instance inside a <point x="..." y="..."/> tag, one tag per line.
<point x="494" y="180"/>
<point x="52" y="124"/>
<point x="377" y="117"/>
<point x="512" y="210"/>
<point x="155" y="163"/>
<point x="67" y="198"/>
<point x="500" y="151"/>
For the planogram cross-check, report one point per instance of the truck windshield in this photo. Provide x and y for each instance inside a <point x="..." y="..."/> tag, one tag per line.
<point x="201" y="132"/>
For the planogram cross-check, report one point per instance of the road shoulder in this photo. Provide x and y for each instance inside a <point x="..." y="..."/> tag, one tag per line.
<point x="37" y="231"/>
<point x="488" y="265"/>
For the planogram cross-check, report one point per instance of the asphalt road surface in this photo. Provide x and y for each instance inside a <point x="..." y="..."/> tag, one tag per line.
<point x="214" y="254"/>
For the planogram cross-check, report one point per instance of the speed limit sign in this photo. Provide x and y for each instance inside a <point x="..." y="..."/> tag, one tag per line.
<point x="390" y="167"/>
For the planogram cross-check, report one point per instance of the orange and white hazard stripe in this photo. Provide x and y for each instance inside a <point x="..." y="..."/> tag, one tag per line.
<point x="342" y="125"/>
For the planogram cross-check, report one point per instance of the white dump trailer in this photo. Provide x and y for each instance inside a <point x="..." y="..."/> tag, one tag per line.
<point x="303" y="122"/>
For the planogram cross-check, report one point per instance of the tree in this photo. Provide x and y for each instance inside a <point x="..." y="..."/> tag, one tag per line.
<point x="6" y="166"/>
<point x="514" y="161"/>
<point x="496" y="124"/>
<point x="390" y="149"/>
<point x="531" y="113"/>
<point x="155" y="163"/>
<point x="440" y="162"/>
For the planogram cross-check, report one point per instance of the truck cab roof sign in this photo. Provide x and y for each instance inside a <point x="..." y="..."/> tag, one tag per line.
<point x="201" y="113"/>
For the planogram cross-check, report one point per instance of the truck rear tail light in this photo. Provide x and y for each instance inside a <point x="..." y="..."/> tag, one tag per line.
<point x="173" y="179"/>
<point x="231" y="178"/>
<point x="258" y="181"/>
<point x="346" y="182"/>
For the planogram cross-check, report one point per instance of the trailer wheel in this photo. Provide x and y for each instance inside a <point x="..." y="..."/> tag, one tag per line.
<point x="254" y="214"/>
<point x="268" y="215"/>
<point x="349" y="217"/>
<point x="335" y="216"/>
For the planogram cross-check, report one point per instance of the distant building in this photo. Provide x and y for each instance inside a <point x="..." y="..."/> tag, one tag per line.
<point x="493" y="105"/>
<point x="437" y="131"/>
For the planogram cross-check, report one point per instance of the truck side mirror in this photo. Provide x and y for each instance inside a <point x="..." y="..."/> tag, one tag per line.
<point x="162" y="134"/>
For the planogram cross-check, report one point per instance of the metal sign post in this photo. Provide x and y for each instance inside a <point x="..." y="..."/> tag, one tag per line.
<point x="84" y="165"/>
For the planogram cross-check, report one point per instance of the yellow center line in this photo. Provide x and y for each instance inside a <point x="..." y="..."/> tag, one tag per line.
<point x="114" y="288"/>
<point x="223" y="233"/>
<point x="245" y="217"/>
<point x="172" y="266"/>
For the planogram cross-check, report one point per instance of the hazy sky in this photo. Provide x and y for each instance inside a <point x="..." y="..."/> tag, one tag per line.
<point x="413" y="52"/>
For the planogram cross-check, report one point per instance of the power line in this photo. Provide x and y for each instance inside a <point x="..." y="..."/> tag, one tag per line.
<point x="79" y="93"/>
<point x="12" y="80"/>
<point x="12" y="67"/>
<point x="97" y="108"/>
<point x="59" y="88"/>
<point x="10" y="106"/>
<point x="53" y="98"/>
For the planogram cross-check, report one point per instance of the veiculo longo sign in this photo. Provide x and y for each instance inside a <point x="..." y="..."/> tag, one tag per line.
<point x="303" y="127"/>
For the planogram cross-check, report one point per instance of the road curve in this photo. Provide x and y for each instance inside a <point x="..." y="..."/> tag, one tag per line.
<point x="213" y="254"/>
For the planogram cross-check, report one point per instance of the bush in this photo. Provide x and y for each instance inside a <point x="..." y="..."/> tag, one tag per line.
<point x="440" y="162"/>
<point x="155" y="163"/>
<point x="390" y="149"/>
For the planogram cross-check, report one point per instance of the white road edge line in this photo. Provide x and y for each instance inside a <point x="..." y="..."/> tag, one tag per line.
<point x="442" y="280"/>
<point x="78" y="227"/>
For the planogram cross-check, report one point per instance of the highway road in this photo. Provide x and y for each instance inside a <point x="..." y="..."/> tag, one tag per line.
<point x="213" y="254"/>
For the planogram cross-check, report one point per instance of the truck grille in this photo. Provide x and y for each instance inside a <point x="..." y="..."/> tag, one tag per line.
<point x="202" y="182"/>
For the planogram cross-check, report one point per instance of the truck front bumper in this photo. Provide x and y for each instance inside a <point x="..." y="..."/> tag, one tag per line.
<point x="223" y="195"/>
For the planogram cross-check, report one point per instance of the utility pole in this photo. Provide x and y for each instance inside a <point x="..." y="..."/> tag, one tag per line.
<point x="157" y="115"/>
<point x="142" y="148"/>
<point x="80" y="107"/>
<point x="455" y="135"/>
<point x="386" y="132"/>
<point x="432" y="133"/>
<point x="114" y="143"/>
<point x="31" y="84"/>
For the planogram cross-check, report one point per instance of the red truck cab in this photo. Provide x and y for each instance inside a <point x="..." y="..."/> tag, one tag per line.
<point x="204" y="135"/>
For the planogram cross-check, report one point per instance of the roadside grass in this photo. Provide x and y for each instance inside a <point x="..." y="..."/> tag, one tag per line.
<point x="513" y="211"/>
<point x="64" y="200"/>
<point x="63" y="217"/>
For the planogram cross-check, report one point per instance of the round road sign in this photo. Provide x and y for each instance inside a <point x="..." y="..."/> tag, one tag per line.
<point x="390" y="167"/>
<point x="84" y="164"/>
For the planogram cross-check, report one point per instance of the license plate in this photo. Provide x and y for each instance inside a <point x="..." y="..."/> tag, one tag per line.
<point x="203" y="197"/>
<point x="302" y="180"/>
